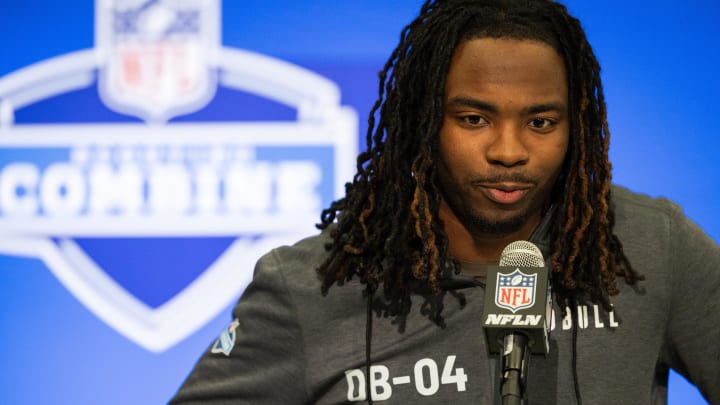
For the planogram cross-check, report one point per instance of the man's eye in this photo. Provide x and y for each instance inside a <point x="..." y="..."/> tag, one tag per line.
<point x="541" y="123"/>
<point x="474" y="120"/>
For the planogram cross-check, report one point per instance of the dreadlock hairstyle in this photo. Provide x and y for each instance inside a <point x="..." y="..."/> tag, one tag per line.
<point x="387" y="230"/>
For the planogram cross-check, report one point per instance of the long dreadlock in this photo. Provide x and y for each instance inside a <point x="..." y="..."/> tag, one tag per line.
<point x="387" y="229"/>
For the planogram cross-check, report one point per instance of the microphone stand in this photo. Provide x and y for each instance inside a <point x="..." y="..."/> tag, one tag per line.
<point x="514" y="363"/>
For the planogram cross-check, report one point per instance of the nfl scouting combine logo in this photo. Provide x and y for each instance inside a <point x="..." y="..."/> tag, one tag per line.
<point x="516" y="290"/>
<point x="142" y="221"/>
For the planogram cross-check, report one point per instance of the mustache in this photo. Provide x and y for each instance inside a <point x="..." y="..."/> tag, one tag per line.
<point x="517" y="177"/>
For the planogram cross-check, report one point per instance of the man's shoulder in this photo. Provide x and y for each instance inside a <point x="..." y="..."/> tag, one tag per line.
<point x="311" y="248"/>
<point x="298" y="261"/>
<point x="632" y="204"/>
<point x="293" y="271"/>
<point x="641" y="216"/>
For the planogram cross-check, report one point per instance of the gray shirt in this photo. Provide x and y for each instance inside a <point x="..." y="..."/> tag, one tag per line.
<point x="290" y="345"/>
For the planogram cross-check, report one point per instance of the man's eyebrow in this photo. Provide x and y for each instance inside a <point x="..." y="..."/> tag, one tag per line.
<point x="472" y="103"/>
<point x="545" y="107"/>
<point x="489" y="107"/>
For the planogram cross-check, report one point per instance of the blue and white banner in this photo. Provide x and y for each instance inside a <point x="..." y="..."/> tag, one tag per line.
<point x="80" y="197"/>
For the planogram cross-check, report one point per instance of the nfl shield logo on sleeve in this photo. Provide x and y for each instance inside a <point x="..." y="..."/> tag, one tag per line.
<point x="225" y="343"/>
<point x="159" y="55"/>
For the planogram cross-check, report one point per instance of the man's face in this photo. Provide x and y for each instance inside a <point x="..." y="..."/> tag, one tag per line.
<point x="504" y="135"/>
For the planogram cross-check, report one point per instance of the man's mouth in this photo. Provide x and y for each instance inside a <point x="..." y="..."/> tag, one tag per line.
<point x="505" y="193"/>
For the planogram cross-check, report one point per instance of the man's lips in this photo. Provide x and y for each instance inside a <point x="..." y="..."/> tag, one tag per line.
<point x="505" y="193"/>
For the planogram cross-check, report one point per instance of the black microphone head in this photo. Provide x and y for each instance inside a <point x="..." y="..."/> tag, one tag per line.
<point x="521" y="253"/>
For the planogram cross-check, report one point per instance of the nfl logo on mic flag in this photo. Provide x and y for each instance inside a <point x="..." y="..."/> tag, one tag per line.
<point x="515" y="290"/>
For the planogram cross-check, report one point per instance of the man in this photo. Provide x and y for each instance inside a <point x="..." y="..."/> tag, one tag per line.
<point x="490" y="128"/>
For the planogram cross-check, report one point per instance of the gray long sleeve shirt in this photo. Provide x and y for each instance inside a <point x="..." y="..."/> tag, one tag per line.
<point x="291" y="345"/>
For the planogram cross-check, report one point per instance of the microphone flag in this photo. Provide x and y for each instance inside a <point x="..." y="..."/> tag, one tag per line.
<point x="517" y="301"/>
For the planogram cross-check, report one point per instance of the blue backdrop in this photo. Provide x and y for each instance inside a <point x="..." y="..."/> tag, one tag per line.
<point x="60" y="343"/>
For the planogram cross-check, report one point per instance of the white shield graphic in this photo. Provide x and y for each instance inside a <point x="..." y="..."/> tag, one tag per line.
<point x="99" y="188"/>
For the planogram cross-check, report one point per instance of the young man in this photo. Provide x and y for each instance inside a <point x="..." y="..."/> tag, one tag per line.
<point x="490" y="128"/>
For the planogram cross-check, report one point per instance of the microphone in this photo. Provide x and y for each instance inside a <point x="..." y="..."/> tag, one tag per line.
<point x="516" y="316"/>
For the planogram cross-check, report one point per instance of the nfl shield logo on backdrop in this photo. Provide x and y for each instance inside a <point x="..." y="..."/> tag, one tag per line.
<point x="159" y="55"/>
<point x="516" y="290"/>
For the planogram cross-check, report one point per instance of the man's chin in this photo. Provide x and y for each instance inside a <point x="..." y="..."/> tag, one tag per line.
<point x="496" y="226"/>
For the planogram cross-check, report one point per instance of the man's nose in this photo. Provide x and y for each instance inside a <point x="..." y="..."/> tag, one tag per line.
<point x="507" y="147"/>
